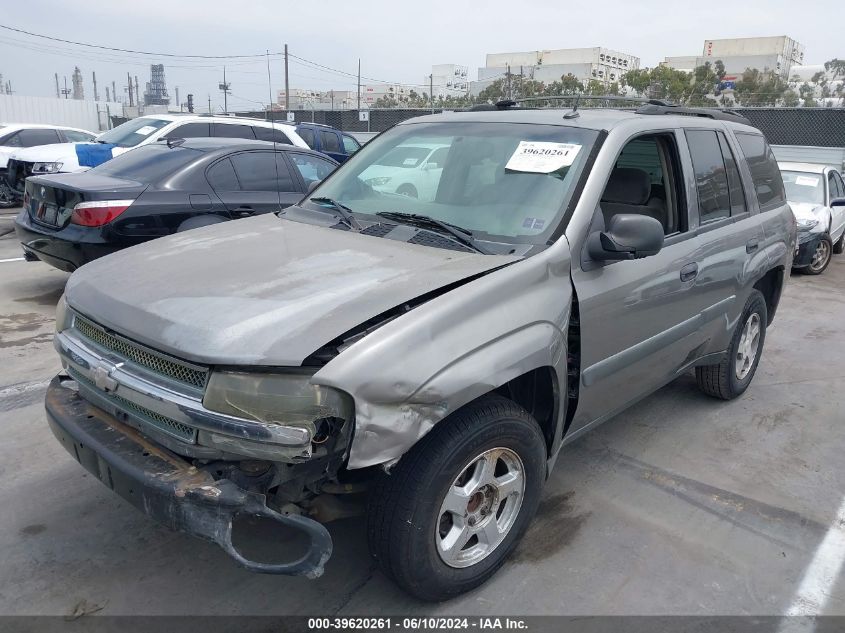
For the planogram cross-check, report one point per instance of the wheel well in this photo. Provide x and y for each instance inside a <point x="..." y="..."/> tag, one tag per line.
<point x="770" y="286"/>
<point x="537" y="392"/>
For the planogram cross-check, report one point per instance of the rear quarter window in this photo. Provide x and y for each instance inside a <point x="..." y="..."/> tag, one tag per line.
<point x="765" y="174"/>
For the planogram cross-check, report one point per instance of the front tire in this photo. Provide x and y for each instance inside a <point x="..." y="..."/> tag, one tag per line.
<point x="451" y="511"/>
<point x="821" y="257"/>
<point x="731" y="377"/>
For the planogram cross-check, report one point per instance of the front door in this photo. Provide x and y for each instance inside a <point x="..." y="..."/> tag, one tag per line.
<point x="639" y="319"/>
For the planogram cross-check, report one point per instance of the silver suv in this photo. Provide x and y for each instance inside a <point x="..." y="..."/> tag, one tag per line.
<point x="423" y="361"/>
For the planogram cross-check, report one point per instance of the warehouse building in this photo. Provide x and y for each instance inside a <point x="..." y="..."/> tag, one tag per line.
<point x="599" y="63"/>
<point x="778" y="54"/>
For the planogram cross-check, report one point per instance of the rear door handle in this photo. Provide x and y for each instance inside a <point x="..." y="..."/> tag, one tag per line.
<point x="689" y="272"/>
<point x="751" y="246"/>
<point x="244" y="211"/>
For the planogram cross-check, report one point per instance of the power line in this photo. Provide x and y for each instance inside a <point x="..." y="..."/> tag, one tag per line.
<point x="128" y="50"/>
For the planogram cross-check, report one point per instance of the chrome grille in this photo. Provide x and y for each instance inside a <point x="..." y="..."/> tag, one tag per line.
<point x="157" y="363"/>
<point x="160" y="422"/>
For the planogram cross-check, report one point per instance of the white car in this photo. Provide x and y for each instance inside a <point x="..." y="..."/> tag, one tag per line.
<point x="412" y="170"/>
<point x="816" y="194"/>
<point x="76" y="157"/>
<point x="15" y="136"/>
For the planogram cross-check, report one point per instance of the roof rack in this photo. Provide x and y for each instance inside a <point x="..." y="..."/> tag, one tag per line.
<point x="653" y="106"/>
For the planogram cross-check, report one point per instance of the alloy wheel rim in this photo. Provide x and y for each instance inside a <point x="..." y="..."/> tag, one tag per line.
<point x="820" y="256"/>
<point x="480" y="507"/>
<point x="749" y="344"/>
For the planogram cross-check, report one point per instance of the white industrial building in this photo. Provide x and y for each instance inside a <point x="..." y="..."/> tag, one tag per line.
<point x="447" y="80"/>
<point x="371" y="93"/>
<point x="776" y="54"/>
<point x="307" y="99"/>
<point x="599" y="63"/>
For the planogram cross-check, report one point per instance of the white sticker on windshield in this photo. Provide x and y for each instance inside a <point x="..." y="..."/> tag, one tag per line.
<point x="410" y="162"/>
<point x="144" y="131"/>
<point x="542" y="158"/>
<point x="807" y="181"/>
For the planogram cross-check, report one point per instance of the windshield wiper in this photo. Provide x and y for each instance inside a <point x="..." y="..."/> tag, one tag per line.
<point x="459" y="233"/>
<point x="343" y="211"/>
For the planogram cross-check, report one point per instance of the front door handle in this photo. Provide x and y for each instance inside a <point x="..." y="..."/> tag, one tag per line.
<point x="751" y="246"/>
<point x="243" y="211"/>
<point x="689" y="272"/>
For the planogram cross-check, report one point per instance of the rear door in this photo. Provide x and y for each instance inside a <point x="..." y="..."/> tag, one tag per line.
<point x="253" y="182"/>
<point x="731" y="241"/>
<point x="331" y="146"/>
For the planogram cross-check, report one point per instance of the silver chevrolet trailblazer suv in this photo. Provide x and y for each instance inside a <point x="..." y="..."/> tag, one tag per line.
<point x="425" y="355"/>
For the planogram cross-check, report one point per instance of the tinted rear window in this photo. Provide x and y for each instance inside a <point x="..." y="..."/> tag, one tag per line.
<point x="764" y="170"/>
<point x="149" y="163"/>
<point x="271" y="134"/>
<point x="307" y="135"/>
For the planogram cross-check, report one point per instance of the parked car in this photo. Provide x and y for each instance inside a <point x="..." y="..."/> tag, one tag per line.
<point x="436" y="353"/>
<point x="17" y="135"/>
<point x="329" y="141"/>
<point x="413" y="170"/>
<point x="159" y="189"/>
<point x="816" y="194"/>
<point x="76" y="157"/>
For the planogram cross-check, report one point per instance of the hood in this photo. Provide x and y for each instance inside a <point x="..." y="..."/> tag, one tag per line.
<point x="57" y="152"/>
<point x="261" y="291"/>
<point x="807" y="210"/>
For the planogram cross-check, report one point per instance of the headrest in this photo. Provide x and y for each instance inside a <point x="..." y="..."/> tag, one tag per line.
<point x="627" y="185"/>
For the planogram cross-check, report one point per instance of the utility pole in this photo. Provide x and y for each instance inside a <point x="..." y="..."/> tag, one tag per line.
<point x="225" y="88"/>
<point x="431" y="90"/>
<point x="108" y="99"/>
<point x="209" y="104"/>
<point x="129" y="80"/>
<point x="137" y="95"/>
<point x="332" y="94"/>
<point x="96" y="94"/>
<point x="65" y="90"/>
<point x="57" y="86"/>
<point x="509" y="81"/>
<point x="359" y="83"/>
<point x="287" y="86"/>
<point x="113" y="91"/>
<point x="179" y="103"/>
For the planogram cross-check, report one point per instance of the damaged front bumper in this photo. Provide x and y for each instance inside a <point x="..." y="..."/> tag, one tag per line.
<point x="805" y="248"/>
<point x="168" y="488"/>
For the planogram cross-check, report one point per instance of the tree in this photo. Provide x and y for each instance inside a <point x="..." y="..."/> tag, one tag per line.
<point x="759" y="88"/>
<point x="790" y="99"/>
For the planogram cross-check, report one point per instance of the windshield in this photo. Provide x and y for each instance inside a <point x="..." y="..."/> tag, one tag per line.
<point x="148" y="164"/>
<point x="803" y="187"/>
<point x="132" y="132"/>
<point x="507" y="182"/>
<point x="405" y="156"/>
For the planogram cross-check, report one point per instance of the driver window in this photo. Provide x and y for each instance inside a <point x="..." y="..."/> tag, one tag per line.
<point x="644" y="182"/>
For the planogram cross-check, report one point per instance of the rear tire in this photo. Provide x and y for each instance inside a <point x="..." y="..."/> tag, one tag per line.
<point x="451" y="511"/>
<point x="731" y="377"/>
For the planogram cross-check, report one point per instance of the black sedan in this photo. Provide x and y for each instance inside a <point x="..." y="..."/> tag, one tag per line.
<point x="159" y="189"/>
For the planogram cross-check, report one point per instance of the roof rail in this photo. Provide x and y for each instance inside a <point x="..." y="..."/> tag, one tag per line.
<point x="653" y="106"/>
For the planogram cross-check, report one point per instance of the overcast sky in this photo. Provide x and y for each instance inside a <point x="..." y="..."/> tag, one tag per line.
<point x="396" y="41"/>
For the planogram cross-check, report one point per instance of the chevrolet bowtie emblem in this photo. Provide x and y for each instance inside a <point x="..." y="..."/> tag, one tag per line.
<point x="102" y="376"/>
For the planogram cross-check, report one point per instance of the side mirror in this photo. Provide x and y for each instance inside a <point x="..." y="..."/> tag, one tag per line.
<point x="837" y="202"/>
<point x="313" y="185"/>
<point x="629" y="236"/>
